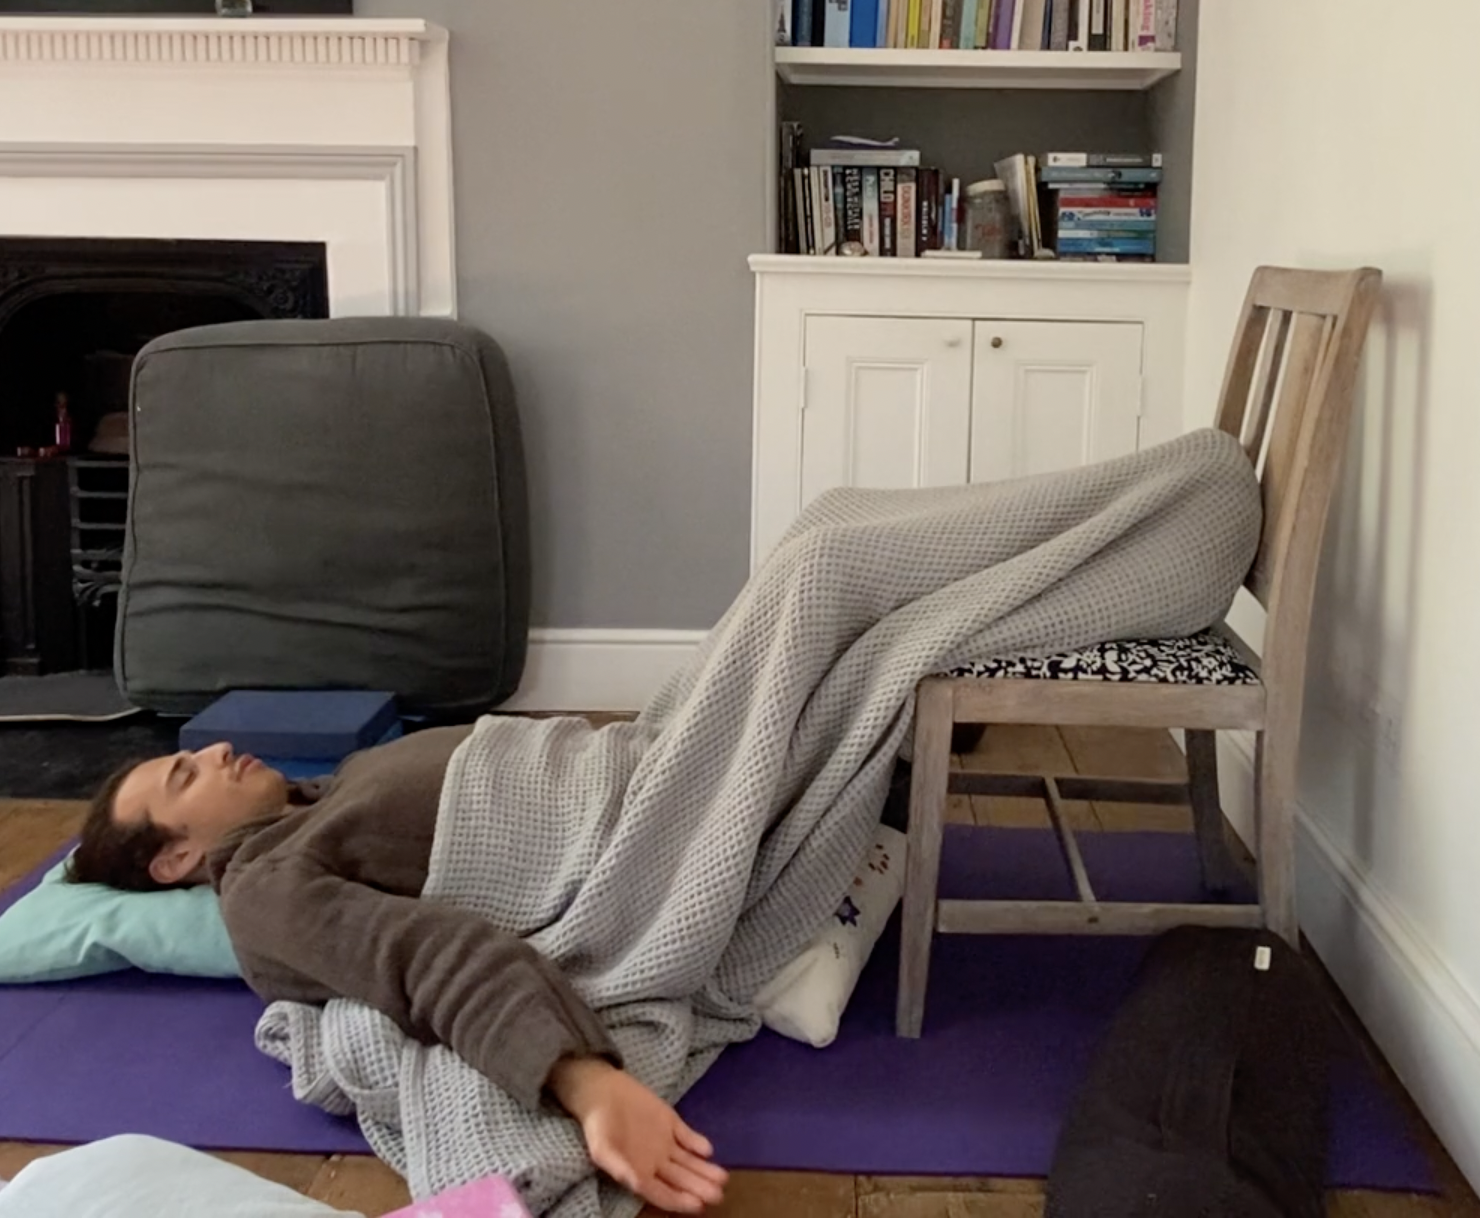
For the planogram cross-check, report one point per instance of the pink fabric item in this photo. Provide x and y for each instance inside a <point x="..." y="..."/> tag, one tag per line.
<point x="491" y="1198"/>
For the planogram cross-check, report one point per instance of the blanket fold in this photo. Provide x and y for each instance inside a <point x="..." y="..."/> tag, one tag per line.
<point x="671" y="866"/>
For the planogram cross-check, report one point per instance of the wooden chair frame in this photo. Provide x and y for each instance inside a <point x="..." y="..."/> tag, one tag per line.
<point x="1290" y="381"/>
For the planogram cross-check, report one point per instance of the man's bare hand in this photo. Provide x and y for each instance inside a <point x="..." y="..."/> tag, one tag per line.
<point x="636" y="1138"/>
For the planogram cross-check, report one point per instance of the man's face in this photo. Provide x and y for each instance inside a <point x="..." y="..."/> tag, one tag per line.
<point x="201" y="796"/>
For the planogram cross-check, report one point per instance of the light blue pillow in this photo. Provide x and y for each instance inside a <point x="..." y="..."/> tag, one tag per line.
<point x="61" y="931"/>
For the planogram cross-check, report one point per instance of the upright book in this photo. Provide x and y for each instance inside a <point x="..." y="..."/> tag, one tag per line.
<point x="864" y="27"/>
<point x="838" y="25"/>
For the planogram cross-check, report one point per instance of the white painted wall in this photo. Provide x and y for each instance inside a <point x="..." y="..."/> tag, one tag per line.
<point x="1333" y="133"/>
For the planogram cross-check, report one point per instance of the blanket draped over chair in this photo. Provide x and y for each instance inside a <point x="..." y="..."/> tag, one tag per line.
<point x="672" y="865"/>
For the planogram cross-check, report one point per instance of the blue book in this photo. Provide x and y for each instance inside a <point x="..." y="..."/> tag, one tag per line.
<point x="967" y="40"/>
<point x="293" y="725"/>
<point x="801" y="25"/>
<point x="864" y="28"/>
<point x="881" y="32"/>
<point x="837" y="29"/>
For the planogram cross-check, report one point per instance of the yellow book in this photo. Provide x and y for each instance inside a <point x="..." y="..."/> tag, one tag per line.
<point x="984" y="25"/>
<point x="914" y="29"/>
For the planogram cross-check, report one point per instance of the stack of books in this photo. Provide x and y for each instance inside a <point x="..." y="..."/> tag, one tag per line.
<point x="854" y="197"/>
<point x="1102" y="206"/>
<point x="989" y="25"/>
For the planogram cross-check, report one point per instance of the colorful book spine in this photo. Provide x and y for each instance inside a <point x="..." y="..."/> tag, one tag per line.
<point x="1099" y="25"/>
<point x="840" y="217"/>
<point x="864" y="24"/>
<point x="881" y="26"/>
<point x="801" y="26"/>
<point x="912" y="34"/>
<point x="1103" y="160"/>
<point x="852" y="234"/>
<point x="804" y="210"/>
<point x="908" y="212"/>
<point x="1144" y="25"/>
<point x="895" y="157"/>
<point x="1166" y="25"/>
<point x="1140" y="177"/>
<point x="838" y="27"/>
<point x="782" y="31"/>
<point x="983" y="37"/>
<point x="927" y="210"/>
<point x="950" y="25"/>
<point x="828" y="211"/>
<point x="1003" y="14"/>
<point x="889" y="212"/>
<point x="872" y="218"/>
<point x="899" y="23"/>
<point x="1058" y="24"/>
<point x="1118" y="12"/>
<point x="967" y="39"/>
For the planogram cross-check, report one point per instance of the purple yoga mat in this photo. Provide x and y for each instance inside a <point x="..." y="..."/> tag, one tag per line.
<point x="1010" y="1026"/>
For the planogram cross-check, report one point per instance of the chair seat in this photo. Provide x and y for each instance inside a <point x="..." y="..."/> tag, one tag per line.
<point x="1204" y="659"/>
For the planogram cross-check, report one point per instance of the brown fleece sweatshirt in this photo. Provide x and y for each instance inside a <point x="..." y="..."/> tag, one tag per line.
<point x="322" y="901"/>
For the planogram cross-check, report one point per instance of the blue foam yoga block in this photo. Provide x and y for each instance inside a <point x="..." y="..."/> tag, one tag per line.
<point x="297" y="769"/>
<point x="308" y="725"/>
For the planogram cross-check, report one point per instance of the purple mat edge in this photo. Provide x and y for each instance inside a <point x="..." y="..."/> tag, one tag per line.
<point x="320" y="1134"/>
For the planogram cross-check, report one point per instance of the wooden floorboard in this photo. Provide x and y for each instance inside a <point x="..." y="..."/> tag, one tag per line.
<point x="30" y="831"/>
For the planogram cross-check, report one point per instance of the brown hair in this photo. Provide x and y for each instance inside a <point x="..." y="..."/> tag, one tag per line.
<point x="118" y="855"/>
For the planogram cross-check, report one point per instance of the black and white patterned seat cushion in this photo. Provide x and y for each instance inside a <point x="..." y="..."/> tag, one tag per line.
<point x="1203" y="659"/>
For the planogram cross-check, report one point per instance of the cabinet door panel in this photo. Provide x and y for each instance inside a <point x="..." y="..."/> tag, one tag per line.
<point x="887" y="403"/>
<point x="1053" y="395"/>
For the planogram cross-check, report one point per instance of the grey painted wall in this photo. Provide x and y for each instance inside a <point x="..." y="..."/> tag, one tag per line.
<point x="963" y="131"/>
<point x="1173" y="106"/>
<point x="611" y="164"/>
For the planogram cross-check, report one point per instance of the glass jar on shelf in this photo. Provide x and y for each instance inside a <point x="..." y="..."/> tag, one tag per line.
<point x="989" y="222"/>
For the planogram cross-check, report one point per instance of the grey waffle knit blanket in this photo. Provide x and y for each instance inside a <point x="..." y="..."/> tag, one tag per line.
<point x="671" y="866"/>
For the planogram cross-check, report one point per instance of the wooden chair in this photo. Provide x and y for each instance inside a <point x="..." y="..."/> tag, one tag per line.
<point x="1297" y="350"/>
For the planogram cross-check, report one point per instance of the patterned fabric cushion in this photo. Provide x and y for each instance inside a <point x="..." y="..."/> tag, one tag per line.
<point x="1204" y="659"/>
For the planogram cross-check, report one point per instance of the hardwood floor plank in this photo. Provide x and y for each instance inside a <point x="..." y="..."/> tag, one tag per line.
<point x="776" y="1194"/>
<point x="298" y="1172"/>
<point x="31" y="831"/>
<point x="356" y="1182"/>
<point x="868" y="1185"/>
<point x="972" y="1203"/>
<point x="1018" y="749"/>
<point x="15" y="1157"/>
<point x="1111" y="752"/>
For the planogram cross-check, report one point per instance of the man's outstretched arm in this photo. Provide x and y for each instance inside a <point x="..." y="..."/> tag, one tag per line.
<point x="447" y="976"/>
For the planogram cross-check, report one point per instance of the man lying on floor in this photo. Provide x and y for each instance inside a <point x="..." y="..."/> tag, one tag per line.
<point x="667" y="869"/>
<point x="319" y="884"/>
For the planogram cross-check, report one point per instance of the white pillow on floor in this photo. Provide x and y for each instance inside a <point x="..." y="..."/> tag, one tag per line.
<point x="806" y="999"/>
<point x="138" y="1177"/>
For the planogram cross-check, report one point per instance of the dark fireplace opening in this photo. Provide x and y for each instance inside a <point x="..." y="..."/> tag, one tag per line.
<point x="73" y="315"/>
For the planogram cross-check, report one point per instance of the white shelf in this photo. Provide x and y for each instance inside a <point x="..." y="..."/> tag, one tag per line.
<point x="1124" y="70"/>
<point x="1020" y="269"/>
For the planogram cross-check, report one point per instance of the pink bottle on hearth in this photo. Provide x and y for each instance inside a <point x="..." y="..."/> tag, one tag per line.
<point x="64" y="424"/>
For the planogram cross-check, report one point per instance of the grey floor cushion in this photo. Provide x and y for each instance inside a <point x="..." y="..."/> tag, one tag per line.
<point x="325" y="504"/>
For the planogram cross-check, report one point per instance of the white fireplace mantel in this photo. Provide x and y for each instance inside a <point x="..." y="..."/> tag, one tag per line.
<point x="282" y="129"/>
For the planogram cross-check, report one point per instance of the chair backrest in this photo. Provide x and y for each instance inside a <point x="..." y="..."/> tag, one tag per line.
<point x="1288" y="396"/>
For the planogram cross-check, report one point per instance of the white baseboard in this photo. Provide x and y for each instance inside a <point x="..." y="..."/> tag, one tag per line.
<point x="599" y="670"/>
<point x="1426" y="1022"/>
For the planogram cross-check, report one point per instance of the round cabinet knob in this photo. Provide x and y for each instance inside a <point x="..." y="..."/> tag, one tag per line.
<point x="997" y="344"/>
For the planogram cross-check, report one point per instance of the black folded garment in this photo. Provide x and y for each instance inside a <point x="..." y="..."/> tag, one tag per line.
<point x="1208" y="1097"/>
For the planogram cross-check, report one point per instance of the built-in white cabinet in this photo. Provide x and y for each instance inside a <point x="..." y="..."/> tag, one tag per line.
<point x="914" y="375"/>
<point x="1050" y="395"/>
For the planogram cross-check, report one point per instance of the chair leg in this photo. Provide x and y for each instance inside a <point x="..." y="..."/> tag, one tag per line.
<point x="1274" y="799"/>
<point x="930" y="778"/>
<point x="1218" y="871"/>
